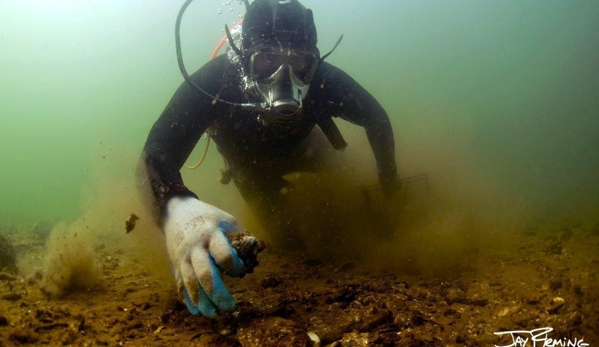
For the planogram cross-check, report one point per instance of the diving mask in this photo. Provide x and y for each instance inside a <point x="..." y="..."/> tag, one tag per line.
<point x="283" y="77"/>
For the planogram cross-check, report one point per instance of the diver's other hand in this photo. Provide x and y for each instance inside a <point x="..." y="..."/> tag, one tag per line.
<point x="199" y="251"/>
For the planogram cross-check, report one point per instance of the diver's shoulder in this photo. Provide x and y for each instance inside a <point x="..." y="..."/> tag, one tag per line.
<point x="331" y="73"/>
<point x="212" y="69"/>
<point x="325" y="66"/>
<point x="329" y="69"/>
<point x="219" y="61"/>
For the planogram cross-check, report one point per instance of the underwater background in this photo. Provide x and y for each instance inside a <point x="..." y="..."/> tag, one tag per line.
<point x="497" y="101"/>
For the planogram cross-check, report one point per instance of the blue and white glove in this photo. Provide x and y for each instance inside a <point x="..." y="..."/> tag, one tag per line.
<point x="199" y="250"/>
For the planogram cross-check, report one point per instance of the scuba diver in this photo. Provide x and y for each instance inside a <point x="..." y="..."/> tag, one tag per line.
<point x="269" y="110"/>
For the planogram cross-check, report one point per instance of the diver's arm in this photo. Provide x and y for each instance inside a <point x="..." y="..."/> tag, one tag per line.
<point x="380" y="135"/>
<point x="170" y="141"/>
<point x="196" y="233"/>
<point x="356" y="105"/>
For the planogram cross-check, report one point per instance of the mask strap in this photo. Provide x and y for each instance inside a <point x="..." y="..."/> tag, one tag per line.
<point x="334" y="47"/>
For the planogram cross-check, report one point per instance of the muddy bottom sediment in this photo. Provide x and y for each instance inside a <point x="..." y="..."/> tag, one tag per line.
<point x="548" y="278"/>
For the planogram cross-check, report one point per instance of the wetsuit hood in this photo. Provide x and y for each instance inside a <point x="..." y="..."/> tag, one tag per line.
<point x="278" y="23"/>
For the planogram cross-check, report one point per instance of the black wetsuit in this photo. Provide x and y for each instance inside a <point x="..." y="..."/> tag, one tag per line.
<point x="257" y="156"/>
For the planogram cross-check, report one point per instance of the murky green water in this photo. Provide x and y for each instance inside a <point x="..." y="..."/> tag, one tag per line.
<point x="496" y="100"/>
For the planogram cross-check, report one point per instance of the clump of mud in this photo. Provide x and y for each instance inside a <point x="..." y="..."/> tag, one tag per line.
<point x="69" y="262"/>
<point x="8" y="253"/>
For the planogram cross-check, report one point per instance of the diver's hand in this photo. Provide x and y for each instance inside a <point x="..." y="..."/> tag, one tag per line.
<point x="198" y="249"/>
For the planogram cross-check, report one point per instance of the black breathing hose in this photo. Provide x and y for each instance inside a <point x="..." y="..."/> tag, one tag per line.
<point x="184" y="71"/>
